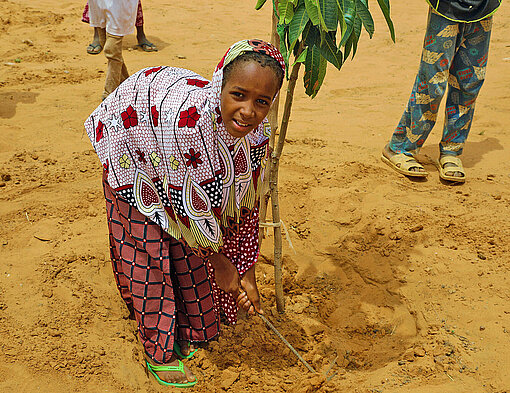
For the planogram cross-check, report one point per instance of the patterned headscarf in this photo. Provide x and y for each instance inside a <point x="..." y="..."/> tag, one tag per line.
<point x="165" y="150"/>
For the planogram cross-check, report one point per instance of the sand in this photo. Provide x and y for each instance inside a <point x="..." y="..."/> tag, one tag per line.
<point x="405" y="282"/>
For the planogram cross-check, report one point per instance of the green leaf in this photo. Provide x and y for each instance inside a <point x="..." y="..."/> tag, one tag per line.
<point x="312" y="9"/>
<point x="341" y="20"/>
<point x="297" y="25"/>
<point x="329" y="50"/>
<point x="385" y="8"/>
<point x="285" y="11"/>
<point x="315" y="71"/>
<point x="259" y="4"/>
<point x="348" y="45"/>
<point x="302" y="56"/>
<point x="328" y="12"/>
<point x="365" y="16"/>
<point x="356" y="33"/>
<point x="313" y="37"/>
<point x="348" y="8"/>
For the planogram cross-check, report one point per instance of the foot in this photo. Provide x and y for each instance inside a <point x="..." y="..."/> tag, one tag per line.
<point x="451" y="169"/>
<point x="389" y="154"/>
<point x="173" y="376"/>
<point x="250" y="302"/>
<point x="146" y="45"/>
<point x="94" y="48"/>
<point x="452" y="172"/>
<point x="186" y="348"/>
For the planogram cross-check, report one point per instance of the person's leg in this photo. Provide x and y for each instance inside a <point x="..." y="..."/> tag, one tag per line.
<point x="95" y="47"/>
<point x="429" y="87"/>
<point x="197" y="320"/>
<point x="101" y="33"/>
<point x="143" y="42"/>
<point x="141" y="251"/>
<point x="117" y="71"/>
<point x="467" y="75"/>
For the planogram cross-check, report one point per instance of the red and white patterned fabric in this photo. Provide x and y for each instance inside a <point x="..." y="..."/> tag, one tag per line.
<point x="165" y="150"/>
<point x="166" y="286"/>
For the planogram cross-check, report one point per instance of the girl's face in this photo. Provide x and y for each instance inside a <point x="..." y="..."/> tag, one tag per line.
<point x="247" y="97"/>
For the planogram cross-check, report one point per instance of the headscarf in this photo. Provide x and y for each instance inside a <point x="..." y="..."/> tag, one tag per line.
<point x="165" y="149"/>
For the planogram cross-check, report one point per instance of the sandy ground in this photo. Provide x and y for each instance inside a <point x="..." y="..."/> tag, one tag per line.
<point x="405" y="281"/>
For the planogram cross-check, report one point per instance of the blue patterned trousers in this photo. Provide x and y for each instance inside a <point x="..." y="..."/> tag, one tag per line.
<point x="454" y="54"/>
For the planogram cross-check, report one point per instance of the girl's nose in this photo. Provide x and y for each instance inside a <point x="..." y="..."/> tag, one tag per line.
<point x="248" y="110"/>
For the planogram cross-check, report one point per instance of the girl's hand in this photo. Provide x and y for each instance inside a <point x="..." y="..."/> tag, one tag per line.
<point x="249" y="283"/>
<point x="226" y="274"/>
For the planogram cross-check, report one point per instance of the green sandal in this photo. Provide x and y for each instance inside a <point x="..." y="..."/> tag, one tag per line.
<point x="153" y="369"/>
<point x="177" y="350"/>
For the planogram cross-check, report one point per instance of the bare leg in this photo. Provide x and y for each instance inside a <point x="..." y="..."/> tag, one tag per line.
<point x="143" y="42"/>
<point x="95" y="47"/>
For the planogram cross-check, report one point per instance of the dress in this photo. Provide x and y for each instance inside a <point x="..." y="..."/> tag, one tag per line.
<point x="173" y="177"/>
<point x="454" y="54"/>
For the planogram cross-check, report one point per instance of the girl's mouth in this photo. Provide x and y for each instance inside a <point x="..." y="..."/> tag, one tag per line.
<point x="241" y="124"/>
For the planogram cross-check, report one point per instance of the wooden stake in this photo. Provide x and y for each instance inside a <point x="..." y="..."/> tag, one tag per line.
<point x="273" y="121"/>
<point x="273" y="185"/>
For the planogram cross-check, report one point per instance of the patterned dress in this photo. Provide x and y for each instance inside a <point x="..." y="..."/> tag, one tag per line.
<point x="178" y="187"/>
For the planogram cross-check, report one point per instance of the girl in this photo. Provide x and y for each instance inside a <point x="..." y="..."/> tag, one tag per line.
<point x="183" y="163"/>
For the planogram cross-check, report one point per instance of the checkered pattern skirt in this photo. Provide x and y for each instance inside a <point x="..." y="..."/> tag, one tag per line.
<point x="166" y="285"/>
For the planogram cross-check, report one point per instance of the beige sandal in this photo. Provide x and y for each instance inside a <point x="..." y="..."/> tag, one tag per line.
<point x="403" y="164"/>
<point x="449" y="159"/>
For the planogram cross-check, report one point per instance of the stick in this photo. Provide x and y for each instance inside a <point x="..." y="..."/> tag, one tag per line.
<point x="273" y="184"/>
<point x="331" y="366"/>
<point x="271" y="326"/>
<point x="277" y="240"/>
<point x="331" y="376"/>
<point x="273" y="121"/>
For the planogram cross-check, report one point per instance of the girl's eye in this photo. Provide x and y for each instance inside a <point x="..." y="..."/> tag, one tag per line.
<point x="237" y="94"/>
<point x="263" y="102"/>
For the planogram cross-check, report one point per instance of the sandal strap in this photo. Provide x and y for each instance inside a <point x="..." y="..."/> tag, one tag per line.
<point x="406" y="162"/>
<point x="153" y="369"/>
<point x="177" y="350"/>
<point x="156" y="368"/>
<point x="449" y="159"/>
